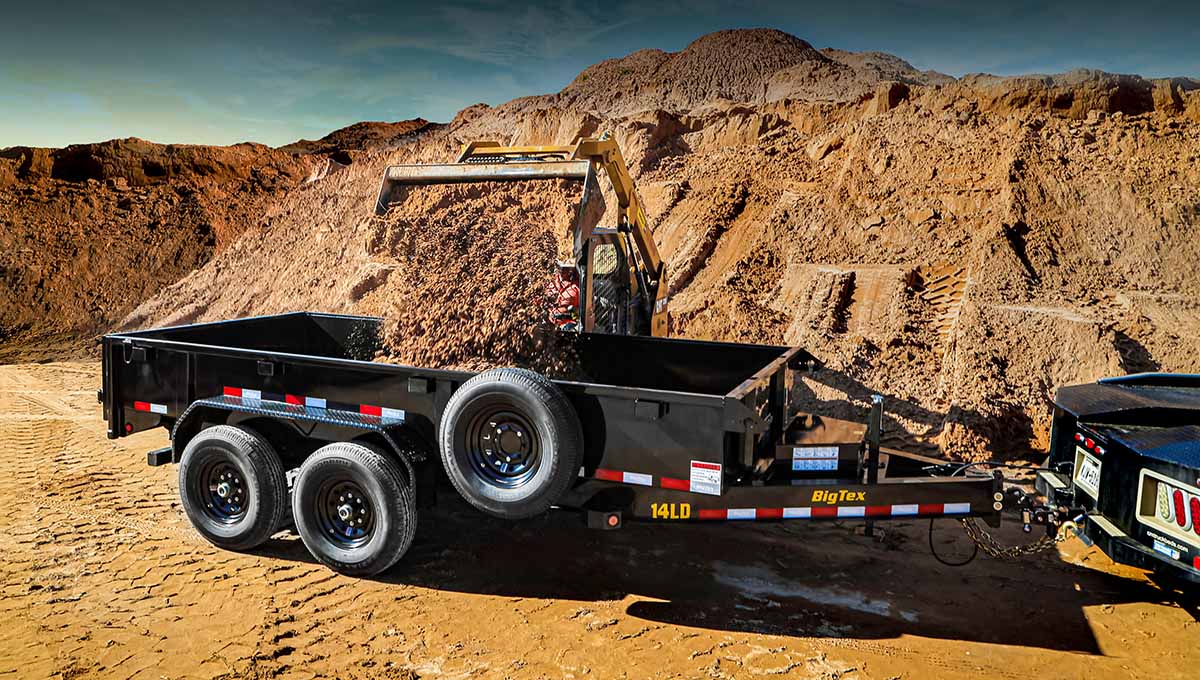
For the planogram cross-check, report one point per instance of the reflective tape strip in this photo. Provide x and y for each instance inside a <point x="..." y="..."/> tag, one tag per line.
<point x="833" y="511"/>
<point x="676" y="484"/>
<point x="637" y="478"/>
<point x="149" y="407"/>
<point x="609" y="475"/>
<point x="314" y="402"/>
<point x="393" y="413"/>
<point x="251" y="394"/>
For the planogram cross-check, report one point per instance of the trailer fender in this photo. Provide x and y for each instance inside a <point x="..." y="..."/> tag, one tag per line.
<point x="308" y="422"/>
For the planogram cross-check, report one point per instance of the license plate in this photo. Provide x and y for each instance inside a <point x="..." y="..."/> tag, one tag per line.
<point x="1087" y="472"/>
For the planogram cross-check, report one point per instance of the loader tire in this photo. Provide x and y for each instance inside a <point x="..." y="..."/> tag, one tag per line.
<point x="354" y="508"/>
<point x="511" y="443"/>
<point x="233" y="488"/>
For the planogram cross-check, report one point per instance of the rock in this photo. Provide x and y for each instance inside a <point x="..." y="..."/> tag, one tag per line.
<point x="873" y="221"/>
<point x="823" y="146"/>
<point x="888" y="95"/>
<point x="1095" y="116"/>
<point x="880" y="163"/>
<point x="1168" y="96"/>
<point x="921" y="216"/>
<point x="117" y="183"/>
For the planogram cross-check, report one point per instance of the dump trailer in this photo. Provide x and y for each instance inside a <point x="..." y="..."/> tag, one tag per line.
<point x="1126" y="451"/>
<point x="284" y="419"/>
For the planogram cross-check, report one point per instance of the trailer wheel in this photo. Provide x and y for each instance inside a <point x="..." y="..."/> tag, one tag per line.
<point x="511" y="442"/>
<point x="354" y="509"/>
<point x="232" y="486"/>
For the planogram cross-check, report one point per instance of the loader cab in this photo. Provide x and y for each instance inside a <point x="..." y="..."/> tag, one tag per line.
<point x="609" y="290"/>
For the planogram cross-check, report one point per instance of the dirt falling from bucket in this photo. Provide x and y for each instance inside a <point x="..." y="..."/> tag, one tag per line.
<point x="472" y="264"/>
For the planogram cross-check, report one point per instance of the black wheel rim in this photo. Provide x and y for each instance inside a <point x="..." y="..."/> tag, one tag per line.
<point x="502" y="445"/>
<point x="345" y="513"/>
<point x="222" y="489"/>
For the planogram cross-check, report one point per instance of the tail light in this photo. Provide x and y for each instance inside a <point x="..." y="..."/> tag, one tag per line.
<point x="1166" y="506"/>
<point x="1170" y="506"/>
<point x="1181" y="509"/>
<point x="1195" y="507"/>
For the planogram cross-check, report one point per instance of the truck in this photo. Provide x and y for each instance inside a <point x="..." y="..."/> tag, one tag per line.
<point x="285" y="420"/>
<point x="1126" y="452"/>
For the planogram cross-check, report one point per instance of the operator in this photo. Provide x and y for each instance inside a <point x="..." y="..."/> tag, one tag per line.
<point x="562" y="293"/>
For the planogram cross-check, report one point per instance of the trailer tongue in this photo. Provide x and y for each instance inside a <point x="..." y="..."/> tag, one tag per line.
<point x="675" y="431"/>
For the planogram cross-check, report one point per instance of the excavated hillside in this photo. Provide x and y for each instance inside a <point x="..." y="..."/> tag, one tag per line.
<point x="962" y="247"/>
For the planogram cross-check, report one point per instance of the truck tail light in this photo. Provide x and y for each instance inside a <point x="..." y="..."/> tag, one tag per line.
<point x="1195" y="503"/>
<point x="1181" y="510"/>
<point x="1164" y="504"/>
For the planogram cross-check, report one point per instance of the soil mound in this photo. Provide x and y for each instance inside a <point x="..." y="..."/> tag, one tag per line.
<point x="963" y="248"/>
<point x="89" y="230"/>
<point x="357" y="137"/>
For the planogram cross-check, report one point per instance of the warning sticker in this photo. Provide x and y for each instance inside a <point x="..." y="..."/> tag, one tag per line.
<point x="809" y="458"/>
<point x="706" y="478"/>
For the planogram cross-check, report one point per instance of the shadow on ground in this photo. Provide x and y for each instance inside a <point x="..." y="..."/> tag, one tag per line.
<point x="801" y="579"/>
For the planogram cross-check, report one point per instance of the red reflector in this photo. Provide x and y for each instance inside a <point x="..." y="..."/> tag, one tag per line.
<point x="128" y="427"/>
<point x="141" y="406"/>
<point x="368" y="410"/>
<point x="1195" y="503"/>
<point x="1089" y="443"/>
<point x="293" y="399"/>
<point x="768" y="513"/>
<point x="1180" y="509"/>
<point x="613" y="520"/>
<point x="712" y="514"/>
<point x="677" y="484"/>
<point x="931" y="509"/>
<point x="233" y="391"/>
<point x="879" y="510"/>
<point x="1078" y="437"/>
<point x="824" y="512"/>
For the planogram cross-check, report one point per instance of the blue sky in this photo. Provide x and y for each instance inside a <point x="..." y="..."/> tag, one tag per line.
<point x="219" y="73"/>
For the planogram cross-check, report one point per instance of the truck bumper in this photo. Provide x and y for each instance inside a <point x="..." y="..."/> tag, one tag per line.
<point x="1121" y="548"/>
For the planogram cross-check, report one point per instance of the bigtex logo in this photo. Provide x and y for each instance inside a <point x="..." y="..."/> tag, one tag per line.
<point x="835" y="497"/>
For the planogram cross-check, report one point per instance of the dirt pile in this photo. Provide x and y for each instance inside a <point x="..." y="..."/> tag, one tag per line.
<point x="89" y="230"/>
<point x="961" y="247"/>
<point x="344" y="143"/>
<point x="472" y="265"/>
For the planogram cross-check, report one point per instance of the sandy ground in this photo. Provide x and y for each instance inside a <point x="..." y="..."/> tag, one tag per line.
<point x="104" y="577"/>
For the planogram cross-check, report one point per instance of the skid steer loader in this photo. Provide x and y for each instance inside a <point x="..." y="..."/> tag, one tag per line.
<point x="616" y="280"/>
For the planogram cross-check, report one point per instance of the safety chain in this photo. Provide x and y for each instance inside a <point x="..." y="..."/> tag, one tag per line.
<point x="993" y="549"/>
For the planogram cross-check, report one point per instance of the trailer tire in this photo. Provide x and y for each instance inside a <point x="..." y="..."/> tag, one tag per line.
<point x="349" y="482"/>
<point x="535" y="440"/>
<point x="232" y="486"/>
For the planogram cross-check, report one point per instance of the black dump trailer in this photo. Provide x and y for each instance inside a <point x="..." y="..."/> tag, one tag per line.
<point x="1127" y="452"/>
<point x="285" y="419"/>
